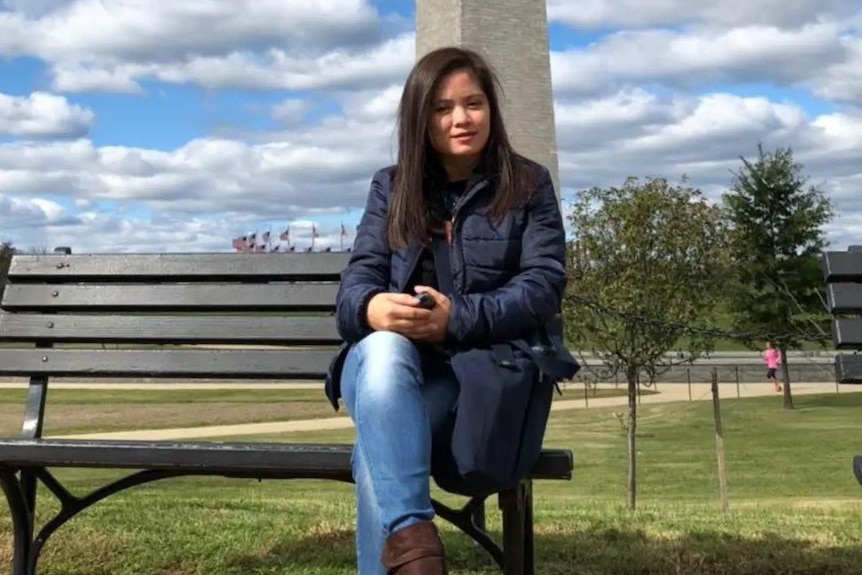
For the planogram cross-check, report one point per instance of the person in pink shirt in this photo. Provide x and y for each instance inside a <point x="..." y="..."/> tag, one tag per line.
<point x="773" y="359"/>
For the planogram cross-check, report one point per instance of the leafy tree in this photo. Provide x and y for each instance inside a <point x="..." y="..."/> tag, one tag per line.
<point x="647" y="261"/>
<point x="6" y="251"/>
<point x="776" y="222"/>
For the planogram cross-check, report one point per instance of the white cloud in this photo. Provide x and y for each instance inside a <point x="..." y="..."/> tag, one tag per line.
<point x="698" y="136"/>
<point x="373" y="105"/>
<point x="318" y="169"/>
<point x="290" y="111"/>
<point x="604" y="140"/>
<point x="324" y="169"/>
<point x="32" y="212"/>
<point x="842" y="79"/>
<point x="112" y="45"/>
<point x="42" y="115"/>
<point x="274" y="69"/>
<point x="686" y="59"/>
<point x="142" y="30"/>
<point x="636" y="13"/>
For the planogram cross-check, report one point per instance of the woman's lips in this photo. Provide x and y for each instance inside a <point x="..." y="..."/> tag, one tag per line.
<point x="464" y="137"/>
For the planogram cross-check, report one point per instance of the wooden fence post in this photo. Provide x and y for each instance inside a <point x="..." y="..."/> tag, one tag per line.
<point x="719" y="442"/>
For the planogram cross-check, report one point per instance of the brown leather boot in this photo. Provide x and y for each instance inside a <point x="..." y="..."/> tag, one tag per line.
<point x="415" y="550"/>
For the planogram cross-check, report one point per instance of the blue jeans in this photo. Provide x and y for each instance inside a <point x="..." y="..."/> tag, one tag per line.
<point x="398" y="398"/>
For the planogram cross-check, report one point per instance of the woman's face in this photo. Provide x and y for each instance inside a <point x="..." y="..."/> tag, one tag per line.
<point x="460" y="123"/>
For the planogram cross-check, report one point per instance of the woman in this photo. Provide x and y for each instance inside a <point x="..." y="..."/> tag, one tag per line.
<point x="772" y="357"/>
<point x="475" y="229"/>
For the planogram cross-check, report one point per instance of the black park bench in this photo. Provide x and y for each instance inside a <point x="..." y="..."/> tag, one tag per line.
<point x="843" y="273"/>
<point x="147" y="317"/>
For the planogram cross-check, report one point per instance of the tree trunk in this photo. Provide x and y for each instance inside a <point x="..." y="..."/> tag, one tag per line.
<point x="632" y="377"/>
<point x="785" y="378"/>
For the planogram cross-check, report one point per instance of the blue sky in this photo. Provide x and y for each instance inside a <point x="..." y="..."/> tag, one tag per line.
<point x="127" y="125"/>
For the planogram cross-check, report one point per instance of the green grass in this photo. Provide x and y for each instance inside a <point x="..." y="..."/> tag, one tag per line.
<point x="73" y="411"/>
<point x="161" y="396"/>
<point x="143" y="396"/>
<point x="795" y="507"/>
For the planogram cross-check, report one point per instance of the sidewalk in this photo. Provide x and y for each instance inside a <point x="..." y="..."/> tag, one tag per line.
<point x="666" y="393"/>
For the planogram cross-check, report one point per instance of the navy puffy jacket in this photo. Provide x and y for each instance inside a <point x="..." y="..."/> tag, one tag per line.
<point x="509" y="275"/>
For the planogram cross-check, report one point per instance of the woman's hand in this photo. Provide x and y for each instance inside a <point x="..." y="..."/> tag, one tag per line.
<point x="434" y="329"/>
<point x="402" y="313"/>
<point x="397" y="312"/>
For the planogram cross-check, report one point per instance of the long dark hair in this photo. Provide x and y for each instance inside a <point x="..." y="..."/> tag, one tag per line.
<point x="514" y="175"/>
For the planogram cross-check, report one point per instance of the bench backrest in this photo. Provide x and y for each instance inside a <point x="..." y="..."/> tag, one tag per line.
<point x="843" y="274"/>
<point x="184" y="316"/>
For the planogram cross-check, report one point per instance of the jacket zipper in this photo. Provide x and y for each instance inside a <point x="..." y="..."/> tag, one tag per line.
<point x="465" y="197"/>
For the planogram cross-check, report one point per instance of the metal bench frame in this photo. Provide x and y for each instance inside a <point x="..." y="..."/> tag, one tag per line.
<point x="143" y="302"/>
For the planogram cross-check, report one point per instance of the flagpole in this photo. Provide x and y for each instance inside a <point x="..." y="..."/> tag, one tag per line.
<point x="284" y="236"/>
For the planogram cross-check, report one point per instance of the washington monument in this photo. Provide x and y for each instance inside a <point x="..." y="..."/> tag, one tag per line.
<point x="513" y="36"/>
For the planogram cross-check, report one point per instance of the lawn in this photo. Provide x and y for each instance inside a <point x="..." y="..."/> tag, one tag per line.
<point x="795" y="507"/>
<point x="72" y="411"/>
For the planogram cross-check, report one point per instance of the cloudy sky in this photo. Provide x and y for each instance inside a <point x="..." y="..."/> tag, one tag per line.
<point x="142" y="125"/>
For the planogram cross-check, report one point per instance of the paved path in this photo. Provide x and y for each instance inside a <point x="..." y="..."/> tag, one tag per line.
<point x="666" y="393"/>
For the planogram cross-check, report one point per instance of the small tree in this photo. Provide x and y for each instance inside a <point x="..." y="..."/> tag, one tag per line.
<point x="777" y="235"/>
<point x="647" y="260"/>
<point x="6" y="251"/>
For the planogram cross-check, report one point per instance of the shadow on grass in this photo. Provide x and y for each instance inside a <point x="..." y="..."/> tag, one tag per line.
<point x="846" y="400"/>
<point x="605" y="551"/>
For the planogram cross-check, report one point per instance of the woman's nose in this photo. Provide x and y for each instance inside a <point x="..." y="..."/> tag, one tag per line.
<point x="459" y="115"/>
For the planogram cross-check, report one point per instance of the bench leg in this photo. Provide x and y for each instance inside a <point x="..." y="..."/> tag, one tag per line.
<point x="529" y="533"/>
<point x="479" y="517"/>
<point x="22" y="524"/>
<point x="516" y="505"/>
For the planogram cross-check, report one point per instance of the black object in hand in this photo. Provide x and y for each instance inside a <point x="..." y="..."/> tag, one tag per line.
<point x="425" y="300"/>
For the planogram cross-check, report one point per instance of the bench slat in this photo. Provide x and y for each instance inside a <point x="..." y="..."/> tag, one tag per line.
<point x="233" y="459"/>
<point x="168" y="329"/>
<point x="844" y="297"/>
<point x="847" y="333"/>
<point x="848" y="368"/>
<point x="842" y="266"/>
<point x="190" y="297"/>
<point x="238" y="459"/>
<point x="178" y="267"/>
<point x="222" y="363"/>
